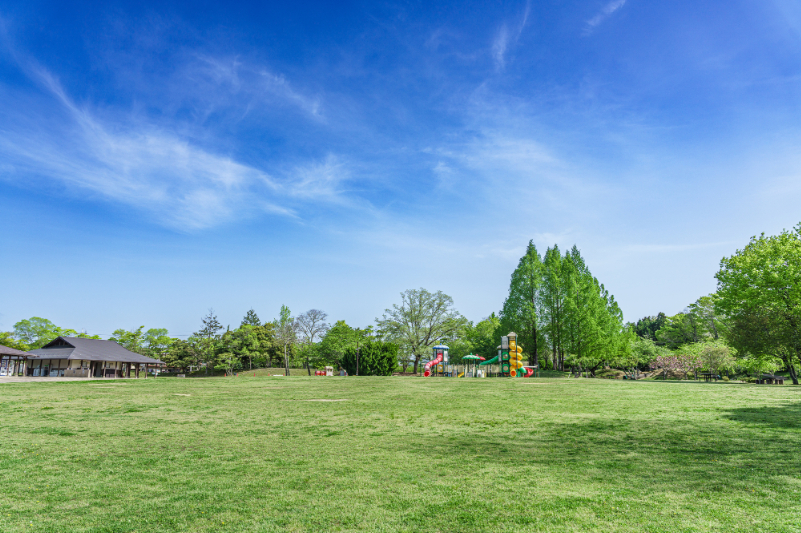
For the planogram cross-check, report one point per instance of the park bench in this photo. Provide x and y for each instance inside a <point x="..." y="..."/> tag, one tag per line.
<point x="709" y="376"/>
<point x="770" y="379"/>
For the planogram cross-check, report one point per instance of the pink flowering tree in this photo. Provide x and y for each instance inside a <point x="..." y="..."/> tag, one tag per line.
<point x="666" y="363"/>
<point x="685" y="362"/>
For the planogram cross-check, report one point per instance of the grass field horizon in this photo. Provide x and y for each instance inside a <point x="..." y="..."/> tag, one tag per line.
<point x="398" y="454"/>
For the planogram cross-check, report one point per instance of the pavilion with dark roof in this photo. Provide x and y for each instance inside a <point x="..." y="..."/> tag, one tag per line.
<point x="12" y="361"/>
<point x="84" y="358"/>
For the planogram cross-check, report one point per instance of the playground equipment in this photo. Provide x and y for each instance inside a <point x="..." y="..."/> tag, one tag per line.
<point x="474" y="359"/>
<point x="440" y="356"/>
<point x="510" y="357"/>
<point x="329" y="371"/>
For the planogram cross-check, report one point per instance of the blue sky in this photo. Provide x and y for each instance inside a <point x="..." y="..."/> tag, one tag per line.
<point x="159" y="159"/>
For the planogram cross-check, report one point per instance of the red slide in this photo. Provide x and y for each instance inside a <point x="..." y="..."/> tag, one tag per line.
<point x="429" y="364"/>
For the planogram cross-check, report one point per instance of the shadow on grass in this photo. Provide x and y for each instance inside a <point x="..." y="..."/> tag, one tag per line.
<point x="786" y="416"/>
<point x="651" y="455"/>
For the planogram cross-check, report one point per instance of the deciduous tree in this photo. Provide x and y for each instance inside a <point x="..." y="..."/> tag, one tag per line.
<point x="285" y="333"/>
<point x="762" y="282"/>
<point x="37" y="331"/>
<point x="130" y="340"/>
<point x="311" y="324"/>
<point x="7" y="339"/>
<point x="420" y="321"/>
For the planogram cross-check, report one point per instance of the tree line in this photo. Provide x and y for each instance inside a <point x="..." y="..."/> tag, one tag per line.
<point x="563" y="315"/>
<point x="565" y="318"/>
<point x="750" y="324"/>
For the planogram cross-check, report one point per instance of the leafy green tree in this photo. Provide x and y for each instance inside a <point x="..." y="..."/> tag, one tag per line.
<point x="207" y="339"/>
<point x="37" y="331"/>
<point x="375" y="358"/>
<point x="334" y="343"/>
<point x="716" y="356"/>
<point x="7" y="339"/>
<point x="647" y="327"/>
<point x="130" y="340"/>
<point x="182" y="353"/>
<point x="247" y="343"/>
<point x="285" y="333"/>
<point x="228" y="353"/>
<point x="311" y="325"/>
<point x="580" y="321"/>
<point x="763" y="342"/>
<point x="712" y="324"/>
<point x="481" y="338"/>
<point x="269" y="351"/>
<point x="553" y="304"/>
<point x="251" y="319"/>
<point x="762" y="282"/>
<point x="682" y="328"/>
<point x="522" y="309"/>
<point x="84" y="335"/>
<point x="156" y="342"/>
<point x="421" y="320"/>
<point x="643" y="351"/>
<point x="594" y="333"/>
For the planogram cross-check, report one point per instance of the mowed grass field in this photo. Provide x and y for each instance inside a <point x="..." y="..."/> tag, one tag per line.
<point x="398" y="454"/>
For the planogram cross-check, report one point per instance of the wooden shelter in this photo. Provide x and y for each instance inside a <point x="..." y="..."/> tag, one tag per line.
<point x="84" y="358"/>
<point x="12" y="361"/>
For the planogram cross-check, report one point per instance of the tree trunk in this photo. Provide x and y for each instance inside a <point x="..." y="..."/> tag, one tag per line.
<point x="286" y="362"/>
<point x="416" y="363"/>
<point x="308" y="366"/>
<point x="793" y="375"/>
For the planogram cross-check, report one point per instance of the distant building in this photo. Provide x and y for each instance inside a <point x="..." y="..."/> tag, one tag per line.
<point x="12" y="361"/>
<point x="83" y="358"/>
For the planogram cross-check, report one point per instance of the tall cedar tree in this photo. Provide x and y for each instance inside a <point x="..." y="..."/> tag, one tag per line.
<point x="208" y="336"/>
<point x="251" y="319"/>
<point x="522" y="308"/>
<point x="577" y="317"/>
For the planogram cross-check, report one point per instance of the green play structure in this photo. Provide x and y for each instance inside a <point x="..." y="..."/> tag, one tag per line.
<point x="509" y="362"/>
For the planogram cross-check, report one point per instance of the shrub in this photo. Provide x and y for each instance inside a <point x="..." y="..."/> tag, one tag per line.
<point x="376" y="358"/>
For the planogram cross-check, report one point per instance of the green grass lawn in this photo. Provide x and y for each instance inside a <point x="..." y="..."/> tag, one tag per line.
<point x="400" y="454"/>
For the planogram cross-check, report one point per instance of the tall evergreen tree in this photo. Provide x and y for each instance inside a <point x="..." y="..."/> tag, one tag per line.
<point x="580" y="320"/>
<point x="522" y="308"/>
<point x="553" y="300"/>
<point x="208" y="337"/>
<point x="251" y="319"/>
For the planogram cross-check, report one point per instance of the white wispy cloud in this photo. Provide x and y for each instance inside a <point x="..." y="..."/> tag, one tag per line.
<point x="499" y="47"/>
<point x="221" y="81"/>
<point x="151" y="168"/>
<point x="506" y="37"/>
<point x="602" y="15"/>
<point x="319" y="179"/>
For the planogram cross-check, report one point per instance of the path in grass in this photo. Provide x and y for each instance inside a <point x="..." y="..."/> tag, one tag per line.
<point x="399" y="454"/>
